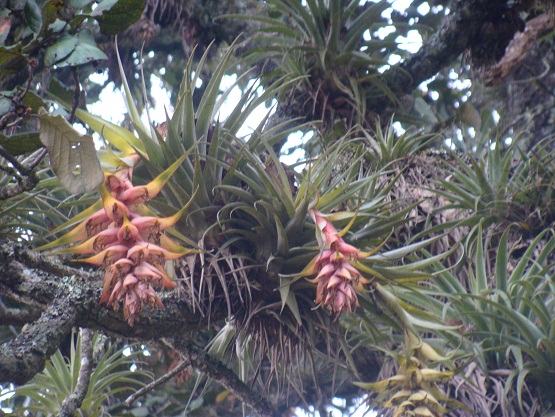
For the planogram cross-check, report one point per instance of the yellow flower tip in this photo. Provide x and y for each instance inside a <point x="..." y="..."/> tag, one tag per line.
<point x="107" y="257"/>
<point x="128" y="231"/>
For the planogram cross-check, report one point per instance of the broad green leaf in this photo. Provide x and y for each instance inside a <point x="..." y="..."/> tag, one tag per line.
<point x="33" y="101"/>
<point x="79" y="4"/>
<point x="72" y="156"/>
<point x="33" y="15"/>
<point x="11" y="61"/>
<point x="20" y="144"/>
<point x="103" y="7"/>
<point x="120" y="16"/>
<point x="85" y="51"/>
<point x="49" y="14"/>
<point x="60" y="50"/>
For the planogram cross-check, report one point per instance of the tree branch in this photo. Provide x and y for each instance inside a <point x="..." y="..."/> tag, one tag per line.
<point x="72" y="298"/>
<point x="223" y="375"/>
<point x="519" y="48"/>
<point x="460" y="28"/>
<point x="17" y="316"/>
<point x="26" y="178"/>
<point x="24" y="184"/>
<point x="23" y="357"/>
<point x="147" y="388"/>
<point x="74" y="401"/>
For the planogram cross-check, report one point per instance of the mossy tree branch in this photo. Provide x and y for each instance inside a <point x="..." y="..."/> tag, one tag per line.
<point x="70" y="298"/>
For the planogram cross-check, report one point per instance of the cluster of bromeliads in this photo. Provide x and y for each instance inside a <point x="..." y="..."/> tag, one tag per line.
<point x="128" y="241"/>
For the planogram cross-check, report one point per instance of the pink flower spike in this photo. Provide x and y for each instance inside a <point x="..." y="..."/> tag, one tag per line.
<point x="344" y="274"/>
<point x="333" y="281"/>
<point x="115" y="209"/>
<point x="165" y="280"/>
<point x="118" y="182"/>
<point x="104" y="238"/>
<point x="326" y="227"/>
<point x="138" y="252"/>
<point x="159" y="254"/>
<point x="147" y="274"/>
<point x="114" y="273"/>
<point x="115" y="296"/>
<point x="326" y="270"/>
<point x="325" y="256"/>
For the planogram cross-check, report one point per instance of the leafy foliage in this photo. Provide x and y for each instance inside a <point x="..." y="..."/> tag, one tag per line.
<point x="306" y="273"/>
<point x="112" y="375"/>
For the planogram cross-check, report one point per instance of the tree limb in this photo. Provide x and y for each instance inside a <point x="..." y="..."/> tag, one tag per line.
<point x="23" y="172"/>
<point x="23" y="357"/>
<point x="74" y="401"/>
<point x="16" y="316"/>
<point x="167" y="376"/>
<point x="519" y="48"/>
<point x="223" y="375"/>
<point x="25" y="184"/>
<point x="460" y="28"/>
<point x="72" y="298"/>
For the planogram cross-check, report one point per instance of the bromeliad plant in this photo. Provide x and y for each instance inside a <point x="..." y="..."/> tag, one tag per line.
<point x="112" y="376"/>
<point x="414" y="391"/>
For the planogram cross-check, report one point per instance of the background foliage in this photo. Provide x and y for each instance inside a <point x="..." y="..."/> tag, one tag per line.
<point x="425" y="164"/>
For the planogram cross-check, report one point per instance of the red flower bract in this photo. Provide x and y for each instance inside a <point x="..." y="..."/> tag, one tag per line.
<point x="336" y="278"/>
<point x="128" y="246"/>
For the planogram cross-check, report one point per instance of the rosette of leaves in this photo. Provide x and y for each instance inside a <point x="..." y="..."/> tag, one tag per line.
<point x="111" y="378"/>
<point x="336" y="50"/>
